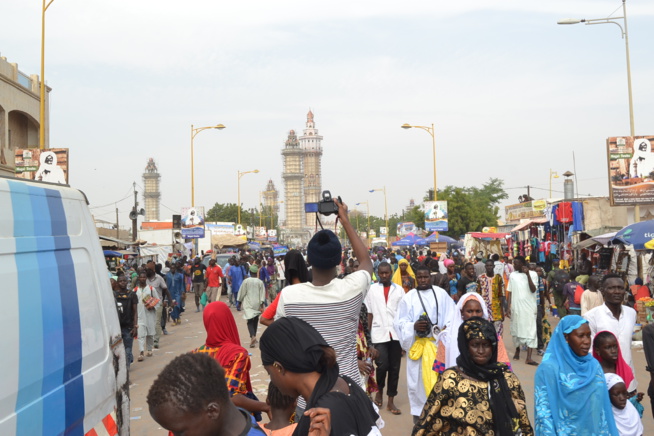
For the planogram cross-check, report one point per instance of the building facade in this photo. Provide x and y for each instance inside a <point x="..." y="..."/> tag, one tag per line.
<point x="151" y="194"/>
<point x="19" y="114"/>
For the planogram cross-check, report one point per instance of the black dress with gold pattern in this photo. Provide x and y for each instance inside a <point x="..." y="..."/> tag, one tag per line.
<point x="460" y="406"/>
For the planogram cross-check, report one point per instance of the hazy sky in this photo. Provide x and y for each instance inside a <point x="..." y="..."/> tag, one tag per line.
<point x="512" y="94"/>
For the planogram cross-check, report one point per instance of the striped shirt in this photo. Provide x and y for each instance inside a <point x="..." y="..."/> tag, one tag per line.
<point x="333" y="310"/>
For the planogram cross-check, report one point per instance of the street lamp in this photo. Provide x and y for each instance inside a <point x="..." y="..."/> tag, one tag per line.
<point x="241" y="174"/>
<point x="429" y="130"/>
<point x="42" y="85"/>
<point x="625" y="36"/>
<point x="194" y="132"/>
<point x="385" y="207"/>
<point x="553" y="175"/>
<point x="368" y="213"/>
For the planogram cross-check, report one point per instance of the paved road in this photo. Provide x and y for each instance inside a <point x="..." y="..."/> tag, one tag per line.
<point x="190" y="334"/>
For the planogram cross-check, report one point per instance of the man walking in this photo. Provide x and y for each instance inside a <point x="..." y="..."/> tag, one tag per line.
<point x="615" y="317"/>
<point x="155" y="281"/>
<point x="521" y="298"/>
<point x="127" y="306"/>
<point x="252" y="295"/>
<point x="382" y="301"/>
<point x="198" y="281"/>
<point x="491" y="287"/>
<point x="421" y="315"/>
<point x="214" y="275"/>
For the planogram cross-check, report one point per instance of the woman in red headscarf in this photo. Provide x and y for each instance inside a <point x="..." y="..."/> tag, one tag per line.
<point x="224" y="345"/>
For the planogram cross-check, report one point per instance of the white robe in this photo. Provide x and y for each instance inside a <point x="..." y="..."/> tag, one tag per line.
<point x="147" y="317"/>
<point x="523" y="309"/>
<point x="408" y="312"/>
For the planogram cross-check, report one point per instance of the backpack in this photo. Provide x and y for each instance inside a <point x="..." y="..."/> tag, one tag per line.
<point x="578" y="291"/>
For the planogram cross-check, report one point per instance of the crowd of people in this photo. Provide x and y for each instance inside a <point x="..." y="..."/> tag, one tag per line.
<point x="340" y="322"/>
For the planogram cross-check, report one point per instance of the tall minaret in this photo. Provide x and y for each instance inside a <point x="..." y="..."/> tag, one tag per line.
<point x="311" y="144"/>
<point x="152" y="196"/>
<point x="293" y="188"/>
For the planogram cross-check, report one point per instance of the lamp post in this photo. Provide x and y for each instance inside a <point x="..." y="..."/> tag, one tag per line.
<point x="42" y="84"/>
<point x="625" y="36"/>
<point x="241" y="174"/>
<point x="553" y="175"/>
<point x="385" y="207"/>
<point x="429" y="130"/>
<point x="194" y="132"/>
<point x="368" y="213"/>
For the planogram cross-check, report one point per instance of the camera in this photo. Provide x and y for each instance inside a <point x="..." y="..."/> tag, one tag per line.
<point x="326" y="206"/>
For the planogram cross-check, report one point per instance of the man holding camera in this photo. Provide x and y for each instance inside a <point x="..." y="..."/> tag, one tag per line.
<point x="329" y="304"/>
<point x="420" y="316"/>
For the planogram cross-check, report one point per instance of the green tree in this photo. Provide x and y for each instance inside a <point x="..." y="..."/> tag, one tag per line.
<point x="228" y="212"/>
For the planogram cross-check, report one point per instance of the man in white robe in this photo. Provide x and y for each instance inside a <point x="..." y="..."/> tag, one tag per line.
<point x="521" y="299"/>
<point x="439" y="307"/>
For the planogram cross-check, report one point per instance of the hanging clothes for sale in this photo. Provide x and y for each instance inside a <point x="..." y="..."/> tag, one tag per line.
<point x="577" y="216"/>
<point x="564" y="212"/>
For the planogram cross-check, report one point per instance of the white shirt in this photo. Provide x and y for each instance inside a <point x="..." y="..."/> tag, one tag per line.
<point x="601" y="318"/>
<point x="383" y="312"/>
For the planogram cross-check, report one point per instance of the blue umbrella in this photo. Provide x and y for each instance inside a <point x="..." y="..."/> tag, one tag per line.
<point x="441" y="238"/>
<point x="637" y="234"/>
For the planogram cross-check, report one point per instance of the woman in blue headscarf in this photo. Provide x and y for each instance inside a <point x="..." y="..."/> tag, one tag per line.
<point x="570" y="390"/>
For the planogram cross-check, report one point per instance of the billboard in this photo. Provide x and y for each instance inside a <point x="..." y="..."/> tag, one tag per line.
<point x="49" y="165"/>
<point x="435" y="216"/>
<point x="404" y="229"/>
<point x="527" y="210"/>
<point x="220" y="228"/>
<point x="193" y="222"/>
<point x="631" y="170"/>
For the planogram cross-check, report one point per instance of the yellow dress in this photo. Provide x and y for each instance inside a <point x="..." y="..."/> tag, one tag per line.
<point x="459" y="406"/>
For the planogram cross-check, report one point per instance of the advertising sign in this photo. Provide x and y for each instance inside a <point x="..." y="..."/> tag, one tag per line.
<point x="435" y="216"/>
<point x="49" y="165"/>
<point x="404" y="229"/>
<point x="528" y="210"/>
<point x="631" y="170"/>
<point x="383" y="232"/>
<point x="220" y="228"/>
<point x="193" y="222"/>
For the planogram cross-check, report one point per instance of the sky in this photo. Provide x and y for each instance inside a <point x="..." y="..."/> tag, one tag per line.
<point x="511" y="93"/>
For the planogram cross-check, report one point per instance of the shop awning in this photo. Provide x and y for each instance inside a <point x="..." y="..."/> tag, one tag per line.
<point x="599" y="239"/>
<point x="480" y="235"/>
<point x="529" y="223"/>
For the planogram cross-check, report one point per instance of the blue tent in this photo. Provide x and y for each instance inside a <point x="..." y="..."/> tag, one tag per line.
<point x="402" y="243"/>
<point x="441" y="238"/>
<point x="637" y="234"/>
<point x="110" y="253"/>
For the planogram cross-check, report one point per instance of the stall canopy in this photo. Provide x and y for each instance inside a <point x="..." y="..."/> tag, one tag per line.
<point x="528" y="224"/>
<point x="479" y="235"/>
<point x="599" y="239"/>
<point x="221" y="241"/>
<point x="110" y="253"/>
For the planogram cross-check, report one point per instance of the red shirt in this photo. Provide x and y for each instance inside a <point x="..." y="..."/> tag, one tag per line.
<point x="213" y="276"/>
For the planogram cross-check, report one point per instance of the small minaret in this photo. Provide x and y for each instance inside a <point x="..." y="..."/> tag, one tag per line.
<point x="311" y="145"/>
<point x="152" y="195"/>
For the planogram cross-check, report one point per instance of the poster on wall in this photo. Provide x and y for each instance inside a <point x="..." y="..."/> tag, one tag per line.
<point x="48" y="165"/>
<point x="193" y="222"/>
<point x="435" y="216"/>
<point x="405" y="228"/>
<point x="631" y="170"/>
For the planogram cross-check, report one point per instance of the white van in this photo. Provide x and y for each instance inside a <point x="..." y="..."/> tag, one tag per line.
<point x="62" y="361"/>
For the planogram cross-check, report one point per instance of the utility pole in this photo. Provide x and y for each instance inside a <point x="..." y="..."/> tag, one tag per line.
<point x="135" y="214"/>
<point x="117" y="227"/>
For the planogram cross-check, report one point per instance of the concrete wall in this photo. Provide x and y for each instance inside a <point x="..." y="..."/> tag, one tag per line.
<point x="19" y="113"/>
<point x="598" y="213"/>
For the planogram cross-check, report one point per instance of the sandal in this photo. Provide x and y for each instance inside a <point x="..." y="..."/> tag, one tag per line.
<point x="532" y="363"/>
<point x="378" y="403"/>
<point x="394" y="411"/>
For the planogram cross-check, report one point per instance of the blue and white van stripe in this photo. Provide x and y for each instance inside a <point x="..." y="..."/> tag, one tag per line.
<point x="50" y="396"/>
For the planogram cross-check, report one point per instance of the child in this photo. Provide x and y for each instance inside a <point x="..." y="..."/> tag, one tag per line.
<point x="282" y="409"/>
<point x="625" y="414"/>
<point x="606" y="350"/>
